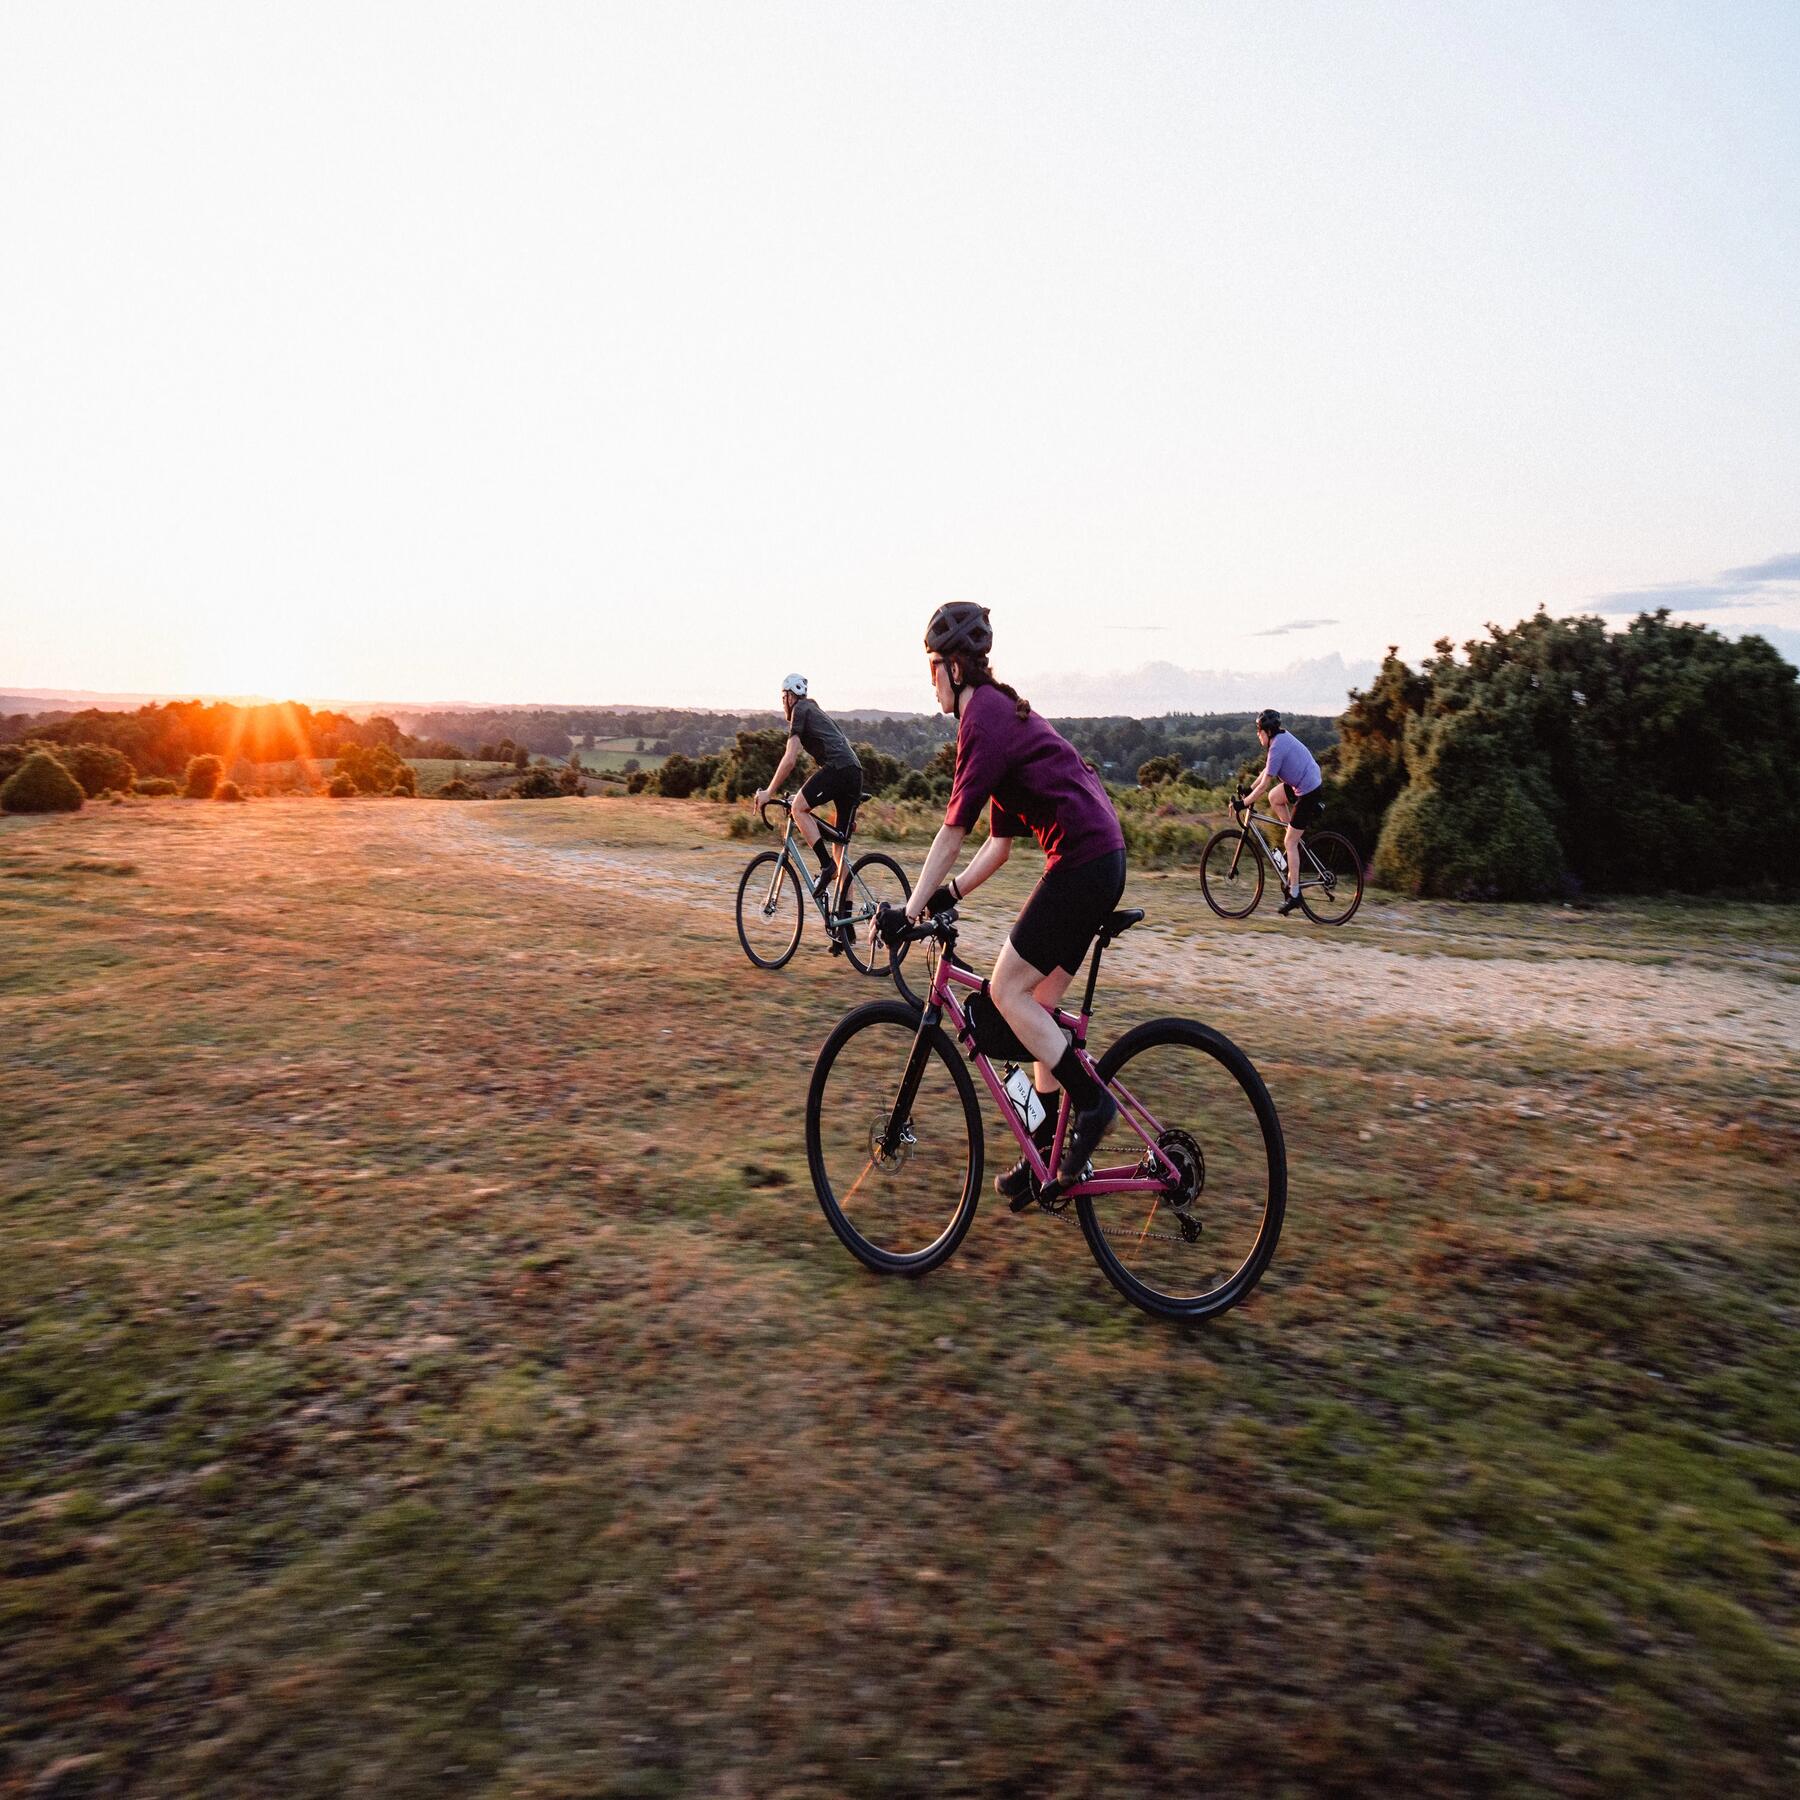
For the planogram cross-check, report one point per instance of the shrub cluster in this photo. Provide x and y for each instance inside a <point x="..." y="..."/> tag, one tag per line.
<point x="1559" y="756"/>
<point x="203" y="775"/>
<point x="375" y="769"/>
<point x="40" y="784"/>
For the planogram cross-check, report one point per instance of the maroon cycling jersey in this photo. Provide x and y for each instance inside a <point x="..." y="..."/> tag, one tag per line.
<point x="1036" y="780"/>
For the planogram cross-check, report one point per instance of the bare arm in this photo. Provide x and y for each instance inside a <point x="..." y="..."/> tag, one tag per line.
<point x="789" y="757"/>
<point x="938" y="862"/>
<point x="982" y="864"/>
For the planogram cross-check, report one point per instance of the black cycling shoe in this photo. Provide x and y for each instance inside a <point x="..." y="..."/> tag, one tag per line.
<point x="1086" y="1130"/>
<point x="1288" y="905"/>
<point x="1018" y="1187"/>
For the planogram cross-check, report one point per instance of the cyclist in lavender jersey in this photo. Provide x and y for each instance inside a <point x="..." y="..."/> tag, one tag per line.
<point x="1294" y="795"/>
<point x="1034" y="782"/>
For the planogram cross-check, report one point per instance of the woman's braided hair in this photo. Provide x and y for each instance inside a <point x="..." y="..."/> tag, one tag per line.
<point x="977" y="673"/>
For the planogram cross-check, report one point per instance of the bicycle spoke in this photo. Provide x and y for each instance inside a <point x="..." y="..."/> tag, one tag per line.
<point x="908" y="1196"/>
<point x="1191" y="1244"/>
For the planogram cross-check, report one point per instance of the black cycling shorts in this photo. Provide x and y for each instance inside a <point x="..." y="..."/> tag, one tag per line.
<point x="1306" y="807"/>
<point x="842" y="787"/>
<point x="1066" y="910"/>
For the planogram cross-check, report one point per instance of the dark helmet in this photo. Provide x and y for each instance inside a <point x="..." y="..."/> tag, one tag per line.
<point x="1268" y="720"/>
<point x="960" y="625"/>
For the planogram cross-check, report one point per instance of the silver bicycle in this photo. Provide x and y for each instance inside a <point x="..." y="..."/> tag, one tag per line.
<point x="1231" y="868"/>
<point x="773" y="894"/>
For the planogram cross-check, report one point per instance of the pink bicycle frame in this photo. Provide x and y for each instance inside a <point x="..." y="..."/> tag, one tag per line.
<point x="1132" y="1111"/>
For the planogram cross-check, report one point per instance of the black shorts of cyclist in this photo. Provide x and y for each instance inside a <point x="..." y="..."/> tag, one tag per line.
<point x="1066" y="910"/>
<point x="1305" y="807"/>
<point x="842" y="787"/>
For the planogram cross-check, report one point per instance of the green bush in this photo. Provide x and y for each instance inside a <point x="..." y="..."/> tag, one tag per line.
<point x="154" y="785"/>
<point x="637" y="781"/>
<point x="41" y="784"/>
<point x="568" y="780"/>
<point x="535" y="784"/>
<point x="12" y="756"/>
<point x="1491" y="842"/>
<point x="458" y="789"/>
<point x="341" y="786"/>
<point x="376" y="769"/>
<point x="228" y="790"/>
<point x="406" y="782"/>
<point x="749" y="763"/>
<point x="1159" y="769"/>
<point x="741" y="826"/>
<point x="678" y="777"/>
<point x="203" y="773"/>
<point x="99" y="767"/>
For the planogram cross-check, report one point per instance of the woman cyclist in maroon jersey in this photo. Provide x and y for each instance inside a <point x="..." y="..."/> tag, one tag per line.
<point x="1036" y="782"/>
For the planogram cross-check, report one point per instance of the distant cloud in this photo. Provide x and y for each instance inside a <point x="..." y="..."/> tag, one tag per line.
<point x="1777" y="568"/>
<point x="1294" y="625"/>
<point x="1757" y="584"/>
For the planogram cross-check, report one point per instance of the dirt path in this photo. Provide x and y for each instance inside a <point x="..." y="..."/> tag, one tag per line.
<point x="1524" y="980"/>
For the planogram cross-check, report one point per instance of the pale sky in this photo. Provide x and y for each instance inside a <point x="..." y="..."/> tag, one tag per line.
<point x="594" y="352"/>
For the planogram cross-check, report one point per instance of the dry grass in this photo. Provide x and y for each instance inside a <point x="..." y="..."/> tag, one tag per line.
<point x="424" y="1370"/>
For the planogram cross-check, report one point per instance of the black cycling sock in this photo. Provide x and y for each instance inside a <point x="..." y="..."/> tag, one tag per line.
<point x="1052" y="1104"/>
<point x="827" y="864"/>
<point x="1083" y="1090"/>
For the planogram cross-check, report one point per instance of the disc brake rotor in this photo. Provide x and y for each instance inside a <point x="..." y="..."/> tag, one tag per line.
<point x="884" y="1161"/>
<point x="1182" y="1150"/>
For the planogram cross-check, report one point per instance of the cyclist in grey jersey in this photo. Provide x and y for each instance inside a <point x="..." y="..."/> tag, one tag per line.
<point x="837" y="778"/>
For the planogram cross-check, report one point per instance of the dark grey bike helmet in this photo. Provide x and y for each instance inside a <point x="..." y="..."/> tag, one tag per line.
<point x="1268" y="720"/>
<point x="959" y="625"/>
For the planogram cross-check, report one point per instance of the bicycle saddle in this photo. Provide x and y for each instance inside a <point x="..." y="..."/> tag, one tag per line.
<point x="1117" y="924"/>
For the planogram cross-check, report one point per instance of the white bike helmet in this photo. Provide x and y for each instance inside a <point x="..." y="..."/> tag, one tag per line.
<point x="795" y="685"/>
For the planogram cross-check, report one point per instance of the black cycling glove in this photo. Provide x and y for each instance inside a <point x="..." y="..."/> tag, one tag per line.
<point x="941" y="900"/>
<point x="891" y="923"/>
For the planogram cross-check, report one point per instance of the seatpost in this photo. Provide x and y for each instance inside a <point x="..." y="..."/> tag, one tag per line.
<point x="1087" y="999"/>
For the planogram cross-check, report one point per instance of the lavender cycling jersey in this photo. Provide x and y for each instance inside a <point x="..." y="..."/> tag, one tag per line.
<point x="1036" y="780"/>
<point x="1292" y="762"/>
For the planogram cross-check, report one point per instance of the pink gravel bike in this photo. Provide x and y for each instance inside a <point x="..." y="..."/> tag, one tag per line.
<point x="1182" y="1219"/>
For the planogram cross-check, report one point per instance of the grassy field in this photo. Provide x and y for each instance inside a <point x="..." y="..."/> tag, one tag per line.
<point x="424" y="1369"/>
<point x="611" y="758"/>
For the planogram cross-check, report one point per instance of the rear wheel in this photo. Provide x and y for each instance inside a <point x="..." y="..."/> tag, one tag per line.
<point x="1231" y="873"/>
<point x="1330" y="893"/>
<point x="1198" y="1246"/>
<point x="899" y="1193"/>
<point x="873" y="879"/>
<point x="769" y="912"/>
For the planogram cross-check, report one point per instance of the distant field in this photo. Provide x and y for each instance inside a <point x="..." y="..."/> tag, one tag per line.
<point x="617" y="754"/>
<point x="424" y="1369"/>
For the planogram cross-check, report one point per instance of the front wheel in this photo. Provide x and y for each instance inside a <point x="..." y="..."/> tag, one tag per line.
<point x="1231" y="873"/>
<point x="893" y="1139"/>
<point x="1197" y="1247"/>
<point x="1331" y="886"/>
<point x="873" y="879"/>
<point x="769" y="912"/>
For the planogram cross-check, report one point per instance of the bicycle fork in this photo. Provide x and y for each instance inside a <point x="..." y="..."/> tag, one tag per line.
<point x="899" y="1124"/>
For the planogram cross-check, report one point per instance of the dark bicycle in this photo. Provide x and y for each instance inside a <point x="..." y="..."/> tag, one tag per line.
<point x="770" y="910"/>
<point x="1231" y="868"/>
<point x="1183" y="1223"/>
